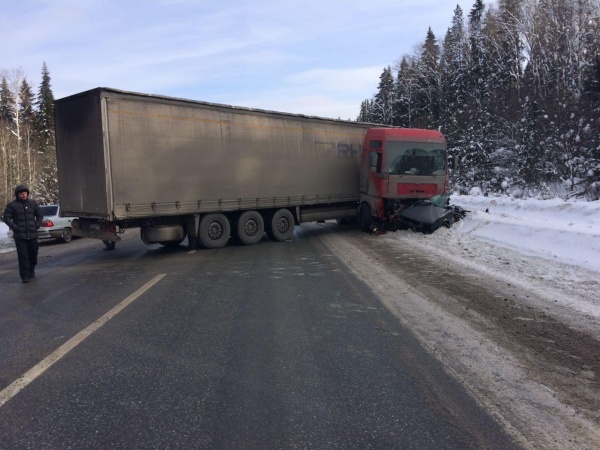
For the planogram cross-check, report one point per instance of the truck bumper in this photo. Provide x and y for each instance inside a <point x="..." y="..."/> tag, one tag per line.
<point x="95" y="230"/>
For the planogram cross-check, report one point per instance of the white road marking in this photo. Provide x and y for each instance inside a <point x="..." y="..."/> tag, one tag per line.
<point x="191" y="252"/>
<point x="13" y="389"/>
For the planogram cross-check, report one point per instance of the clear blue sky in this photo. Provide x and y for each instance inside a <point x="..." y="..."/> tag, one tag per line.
<point x="302" y="56"/>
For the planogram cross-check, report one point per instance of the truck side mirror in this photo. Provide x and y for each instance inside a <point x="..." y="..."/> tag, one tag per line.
<point x="375" y="162"/>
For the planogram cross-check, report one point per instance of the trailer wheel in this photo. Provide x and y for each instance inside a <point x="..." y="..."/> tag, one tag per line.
<point x="365" y="219"/>
<point x="250" y="227"/>
<point x="280" y="227"/>
<point x="214" y="230"/>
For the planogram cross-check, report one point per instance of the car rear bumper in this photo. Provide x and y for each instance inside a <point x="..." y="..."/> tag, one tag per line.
<point x="50" y="234"/>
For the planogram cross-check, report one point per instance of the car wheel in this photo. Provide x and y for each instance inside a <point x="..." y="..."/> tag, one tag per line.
<point x="67" y="235"/>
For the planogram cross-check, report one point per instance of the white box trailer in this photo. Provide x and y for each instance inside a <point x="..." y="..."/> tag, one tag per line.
<point x="178" y="168"/>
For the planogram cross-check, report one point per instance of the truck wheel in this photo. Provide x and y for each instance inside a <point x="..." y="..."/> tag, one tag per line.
<point x="250" y="227"/>
<point x="67" y="235"/>
<point x="214" y="230"/>
<point x="365" y="220"/>
<point x="281" y="226"/>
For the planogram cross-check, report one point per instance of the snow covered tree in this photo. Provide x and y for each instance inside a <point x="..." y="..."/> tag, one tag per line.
<point x="7" y="103"/>
<point x="503" y="62"/>
<point x="27" y="113"/>
<point x="474" y="147"/>
<point x="558" y="36"/>
<point x="383" y="104"/>
<point x="428" y="84"/>
<point x="405" y="108"/>
<point x="530" y="155"/>
<point x="27" y="149"/>
<point x="46" y="184"/>
<point x="454" y="78"/>
<point x="6" y="140"/>
<point x="519" y="96"/>
<point x="15" y="141"/>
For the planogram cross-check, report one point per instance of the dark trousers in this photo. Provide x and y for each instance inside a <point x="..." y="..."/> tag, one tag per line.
<point x="27" y="251"/>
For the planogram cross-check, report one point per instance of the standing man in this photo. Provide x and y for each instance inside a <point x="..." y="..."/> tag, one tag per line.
<point x="23" y="217"/>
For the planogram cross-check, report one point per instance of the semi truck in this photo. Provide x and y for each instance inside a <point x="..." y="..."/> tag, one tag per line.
<point x="178" y="168"/>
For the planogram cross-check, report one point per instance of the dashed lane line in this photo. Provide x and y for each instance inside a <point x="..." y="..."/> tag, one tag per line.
<point x="13" y="389"/>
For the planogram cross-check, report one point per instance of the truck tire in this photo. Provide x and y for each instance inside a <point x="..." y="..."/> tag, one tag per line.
<point x="67" y="235"/>
<point x="250" y="227"/>
<point x="280" y="227"/>
<point x="365" y="219"/>
<point x="214" y="230"/>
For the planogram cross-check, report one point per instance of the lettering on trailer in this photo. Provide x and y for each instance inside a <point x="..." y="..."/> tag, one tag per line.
<point x="340" y="150"/>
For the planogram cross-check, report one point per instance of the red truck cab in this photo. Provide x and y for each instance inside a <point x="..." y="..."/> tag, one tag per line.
<point x="400" y="166"/>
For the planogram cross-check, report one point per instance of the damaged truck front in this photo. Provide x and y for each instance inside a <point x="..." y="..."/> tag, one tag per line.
<point x="401" y="171"/>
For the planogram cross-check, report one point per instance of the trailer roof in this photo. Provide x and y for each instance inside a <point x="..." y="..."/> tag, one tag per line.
<point x="111" y="92"/>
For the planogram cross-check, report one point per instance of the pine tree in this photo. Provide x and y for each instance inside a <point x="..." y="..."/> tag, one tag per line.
<point x="383" y="104"/>
<point x="6" y="103"/>
<point x="428" y="99"/>
<point x="45" y="105"/>
<point x="455" y="92"/>
<point x="405" y="95"/>
<point x="510" y="57"/>
<point x="365" y="112"/>
<point x="28" y="113"/>
<point x="503" y="59"/>
<point x="529" y="153"/>
<point x="477" y="146"/>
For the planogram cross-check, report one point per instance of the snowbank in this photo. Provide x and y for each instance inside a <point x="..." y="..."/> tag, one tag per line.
<point x="556" y="230"/>
<point x="6" y="244"/>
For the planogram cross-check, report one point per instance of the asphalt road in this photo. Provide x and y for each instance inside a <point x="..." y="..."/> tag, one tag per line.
<point x="276" y="345"/>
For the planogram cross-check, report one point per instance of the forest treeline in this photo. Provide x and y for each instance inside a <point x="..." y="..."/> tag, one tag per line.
<point x="27" y="147"/>
<point x="515" y="88"/>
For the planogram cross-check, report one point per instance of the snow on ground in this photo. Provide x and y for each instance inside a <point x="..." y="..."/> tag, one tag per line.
<point x="551" y="246"/>
<point x="552" y="229"/>
<point x="6" y="244"/>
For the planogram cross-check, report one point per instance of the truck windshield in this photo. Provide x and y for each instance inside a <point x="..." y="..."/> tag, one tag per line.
<point x="415" y="158"/>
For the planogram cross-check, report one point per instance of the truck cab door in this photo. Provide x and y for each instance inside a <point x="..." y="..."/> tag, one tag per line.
<point x="370" y="173"/>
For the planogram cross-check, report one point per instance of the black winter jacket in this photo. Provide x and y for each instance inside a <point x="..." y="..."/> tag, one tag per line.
<point x="23" y="217"/>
